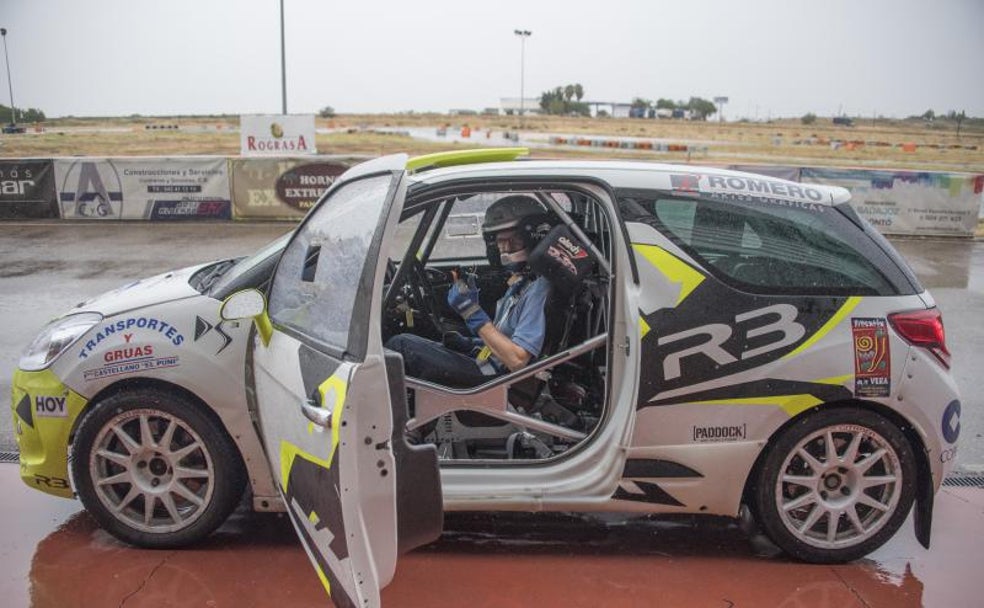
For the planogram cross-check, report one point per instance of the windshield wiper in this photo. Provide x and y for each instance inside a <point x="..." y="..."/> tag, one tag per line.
<point x="207" y="279"/>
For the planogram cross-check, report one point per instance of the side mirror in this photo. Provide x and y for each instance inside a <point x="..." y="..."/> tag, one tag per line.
<point x="243" y="305"/>
<point x="247" y="304"/>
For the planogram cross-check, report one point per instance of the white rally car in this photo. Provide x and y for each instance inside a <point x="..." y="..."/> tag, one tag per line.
<point x="149" y="371"/>
<point x="717" y="342"/>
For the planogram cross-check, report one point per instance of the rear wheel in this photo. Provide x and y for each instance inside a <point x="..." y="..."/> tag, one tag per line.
<point x="154" y="470"/>
<point x="836" y="485"/>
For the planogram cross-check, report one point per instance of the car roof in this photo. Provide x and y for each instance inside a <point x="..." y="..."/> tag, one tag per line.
<point x="635" y="175"/>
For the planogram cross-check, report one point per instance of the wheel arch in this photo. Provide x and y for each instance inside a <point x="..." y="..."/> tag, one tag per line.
<point x="924" y="481"/>
<point x="157" y="384"/>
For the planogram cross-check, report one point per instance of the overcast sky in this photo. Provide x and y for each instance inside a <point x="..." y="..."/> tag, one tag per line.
<point x="770" y="57"/>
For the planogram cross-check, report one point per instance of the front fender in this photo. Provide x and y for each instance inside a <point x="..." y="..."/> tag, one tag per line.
<point x="44" y="412"/>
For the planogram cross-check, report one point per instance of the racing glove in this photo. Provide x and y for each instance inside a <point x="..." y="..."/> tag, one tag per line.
<point x="463" y="298"/>
<point x="452" y="340"/>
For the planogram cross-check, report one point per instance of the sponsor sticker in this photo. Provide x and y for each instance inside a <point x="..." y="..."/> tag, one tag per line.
<point x="130" y="366"/>
<point x="951" y="422"/>
<point x="685" y="182"/>
<point x="203" y="328"/>
<point x="752" y="189"/>
<point x="126" y="327"/>
<point x="49" y="406"/>
<point x="703" y="434"/>
<point x="872" y="359"/>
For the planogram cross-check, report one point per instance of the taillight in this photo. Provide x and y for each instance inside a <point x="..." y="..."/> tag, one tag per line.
<point x="923" y="328"/>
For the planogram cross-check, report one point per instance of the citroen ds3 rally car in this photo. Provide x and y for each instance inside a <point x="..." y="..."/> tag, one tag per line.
<point x="141" y="391"/>
<point x="714" y="339"/>
<point x="716" y="342"/>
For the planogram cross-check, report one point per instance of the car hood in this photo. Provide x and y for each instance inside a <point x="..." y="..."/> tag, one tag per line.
<point x="165" y="287"/>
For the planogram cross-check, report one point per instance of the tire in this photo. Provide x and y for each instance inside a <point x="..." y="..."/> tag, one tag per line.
<point x="124" y="459"/>
<point x="866" y="484"/>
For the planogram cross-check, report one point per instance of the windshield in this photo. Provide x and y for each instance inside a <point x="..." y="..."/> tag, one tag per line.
<point x="245" y="265"/>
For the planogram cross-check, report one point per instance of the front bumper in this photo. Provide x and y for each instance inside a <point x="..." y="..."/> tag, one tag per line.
<point x="44" y="412"/>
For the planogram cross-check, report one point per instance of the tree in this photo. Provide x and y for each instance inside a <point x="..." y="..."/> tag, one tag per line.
<point x="929" y="115"/>
<point x="578" y="91"/>
<point x="665" y="104"/>
<point x="558" y="101"/>
<point x="809" y="118"/>
<point x="639" y="102"/>
<point x="701" y="108"/>
<point x="959" y="117"/>
<point x="327" y="112"/>
<point x="23" y="115"/>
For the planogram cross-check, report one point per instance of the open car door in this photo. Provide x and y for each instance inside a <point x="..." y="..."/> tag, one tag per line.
<point x="331" y="404"/>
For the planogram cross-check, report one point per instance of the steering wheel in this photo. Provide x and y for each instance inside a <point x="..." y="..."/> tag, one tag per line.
<point x="422" y="294"/>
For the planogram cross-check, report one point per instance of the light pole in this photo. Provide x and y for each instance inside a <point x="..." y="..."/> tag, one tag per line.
<point x="523" y="35"/>
<point x="283" y="61"/>
<point x="10" y="84"/>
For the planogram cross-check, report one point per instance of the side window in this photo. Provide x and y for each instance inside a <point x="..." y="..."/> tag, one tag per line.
<point x="461" y="235"/>
<point x="770" y="247"/>
<point x="320" y="275"/>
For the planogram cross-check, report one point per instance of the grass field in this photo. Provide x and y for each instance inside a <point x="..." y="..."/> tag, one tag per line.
<point x="875" y="144"/>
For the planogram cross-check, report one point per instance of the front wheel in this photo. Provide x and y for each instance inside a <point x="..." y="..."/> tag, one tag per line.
<point x="154" y="470"/>
<point x="836" y="485"/>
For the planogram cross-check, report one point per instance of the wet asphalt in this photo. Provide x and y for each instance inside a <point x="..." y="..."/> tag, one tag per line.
<point x="47" y="267"/>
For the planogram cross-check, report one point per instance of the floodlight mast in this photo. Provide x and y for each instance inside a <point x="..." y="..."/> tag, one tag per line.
<point x="283" y="62"/>
<point x="10" y="84"/>
<point x="523" y="35"/>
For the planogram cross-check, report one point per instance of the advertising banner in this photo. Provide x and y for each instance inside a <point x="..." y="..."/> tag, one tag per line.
<point x="909" y="202"/>
<point x="276" y="134"/>
<point x="143" y="188"/>
<point x="282" y="188"/>
<point x="27" y="189"/>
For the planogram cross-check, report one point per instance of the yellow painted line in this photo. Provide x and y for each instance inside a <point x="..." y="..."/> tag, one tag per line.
<point x="835" y="320"/>
<point x="675" y="269"/>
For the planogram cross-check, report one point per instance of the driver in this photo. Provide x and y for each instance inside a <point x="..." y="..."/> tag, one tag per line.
<point x="514" y="336"/>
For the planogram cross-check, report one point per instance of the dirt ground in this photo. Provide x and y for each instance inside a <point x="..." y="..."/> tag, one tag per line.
<point x="875" y="143"/>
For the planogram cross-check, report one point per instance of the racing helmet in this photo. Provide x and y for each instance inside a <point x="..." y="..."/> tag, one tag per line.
<point x="514" y="212"/>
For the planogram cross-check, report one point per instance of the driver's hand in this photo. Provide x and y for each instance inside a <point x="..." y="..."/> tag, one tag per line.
<point x="452" y="340"/>
<point x="463" y="298"/>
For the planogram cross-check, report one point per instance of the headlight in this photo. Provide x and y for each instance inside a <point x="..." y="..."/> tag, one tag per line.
<point x="56" y="337"/>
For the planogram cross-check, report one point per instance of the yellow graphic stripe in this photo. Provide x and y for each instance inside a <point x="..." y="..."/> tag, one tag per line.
<point x="835" y="380"/>
<point x="643" y="328"/>
<point x="835" y="320"/>
<point x="332" y="393"/>
<point x="675" y="269"/>
<point x="464" y="157"/>
<point x="324" y="579"/>
<point x="288" y="452"/>
<point x="791" y="404"/>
